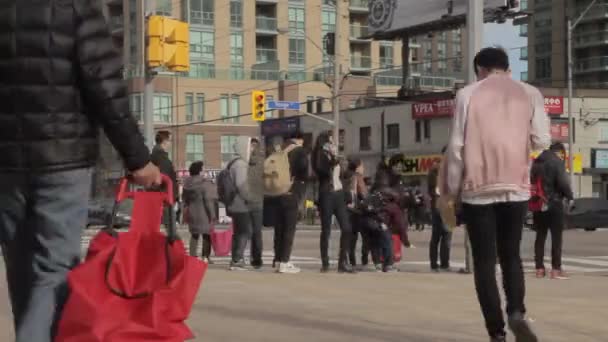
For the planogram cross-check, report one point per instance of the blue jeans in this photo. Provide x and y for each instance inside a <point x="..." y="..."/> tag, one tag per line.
<point x="441" y="240"/>
<point x="41" y="220"/>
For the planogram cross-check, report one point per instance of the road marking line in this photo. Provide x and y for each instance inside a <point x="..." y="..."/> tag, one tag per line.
<point x="585" y="261"/>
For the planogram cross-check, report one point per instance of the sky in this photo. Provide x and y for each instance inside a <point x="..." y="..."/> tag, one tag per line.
<point x="507" y="36"/>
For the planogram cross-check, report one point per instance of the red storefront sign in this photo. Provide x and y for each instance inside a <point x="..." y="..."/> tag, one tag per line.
<point x="554" y="105"/>
<point x="433" y="109"/>
<point x="559" y="131"/>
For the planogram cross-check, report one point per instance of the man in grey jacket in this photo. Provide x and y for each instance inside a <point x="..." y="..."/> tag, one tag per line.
<point x="239" y="208"/>
<point x="255" y="176"/>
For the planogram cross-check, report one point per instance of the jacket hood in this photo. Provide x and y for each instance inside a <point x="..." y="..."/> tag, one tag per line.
<point x="194" y="182"/>
<point x="546" y="155"/>
<point x="242" y="148"/>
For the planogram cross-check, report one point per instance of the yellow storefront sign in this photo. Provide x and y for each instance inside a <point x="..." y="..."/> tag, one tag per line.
<point x="578" y="161"/>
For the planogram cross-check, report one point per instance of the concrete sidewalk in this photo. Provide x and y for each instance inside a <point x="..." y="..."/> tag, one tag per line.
<point x="371" y="307"/>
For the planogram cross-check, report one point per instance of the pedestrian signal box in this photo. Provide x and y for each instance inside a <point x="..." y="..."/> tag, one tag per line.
<point x="258" y="105"/>
<point x="168" y="44"/>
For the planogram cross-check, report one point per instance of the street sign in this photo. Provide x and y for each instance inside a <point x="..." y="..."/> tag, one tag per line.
<point x="283" y="105"/>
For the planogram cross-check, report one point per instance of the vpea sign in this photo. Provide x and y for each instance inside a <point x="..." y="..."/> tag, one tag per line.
<point x="433" y="109"/>
<point x="418" y="165"/>
<point x="554" y="105"/>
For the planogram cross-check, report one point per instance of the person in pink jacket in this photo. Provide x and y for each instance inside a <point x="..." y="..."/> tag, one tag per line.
<point x="497" y="122"/>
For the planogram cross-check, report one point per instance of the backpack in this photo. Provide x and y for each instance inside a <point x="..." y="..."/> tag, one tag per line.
<point x="226" y="187"/>
<point x="538" y="199"/>
<point x="277" y="173"/>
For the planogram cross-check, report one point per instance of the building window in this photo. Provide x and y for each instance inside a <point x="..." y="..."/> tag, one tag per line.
<point x="194" y="148"/>
<point x="235" y="108"/>
<point x="202" y="12"/>
<point x="392" y="135"/>
<point x="164" y="7"/>
<point x="418" y="134"/>
<point x="227" y="148"/>
<point x="236" y="49"/>
<point x="427" y="130"/>
<point x="341" y="140"/>
<point x="297" y="20"/>
<point x="269" y="113"/>
<point x="328" y="21"/>
<point x="543" y="68"/>
<point x="236" y="13"/>
<point x="202" y="45"/>
<point x="136" y="105"/>
<point x="523" y="76"/>
<point x="297" y="47"/>
<point x="603" y="128"/>
<point x="310" y="104"/>
<point x="320" y="101"/>
<point x="230" y="108"/>
<point x="189" y="107"/>
<point x="162" y="108"/>
<point x="200" y="107"/>
<point x="365" y="137"/>
<point x="386" y="55"/>
<point x="202" y="70"/>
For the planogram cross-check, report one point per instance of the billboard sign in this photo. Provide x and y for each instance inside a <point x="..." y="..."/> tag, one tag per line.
<point x="433" y="109"/>
<point x="386" y="16"/>
<point x="418" y="165"/>
<point x="554" y="105"/>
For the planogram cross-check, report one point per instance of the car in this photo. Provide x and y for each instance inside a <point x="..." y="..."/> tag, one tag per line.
<point x="588" y="214"/>
<point x="101" y="210"/>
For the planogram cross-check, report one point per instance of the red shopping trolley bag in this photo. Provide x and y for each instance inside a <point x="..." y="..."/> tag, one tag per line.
<point x="221" y="241"/>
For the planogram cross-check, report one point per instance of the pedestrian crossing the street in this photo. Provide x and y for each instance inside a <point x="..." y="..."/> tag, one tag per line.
<point x="572" y="265"/>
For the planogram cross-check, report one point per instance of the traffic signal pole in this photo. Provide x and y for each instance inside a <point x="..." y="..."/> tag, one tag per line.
<point x="337" y="74"/>
<point x="148" y="115"/>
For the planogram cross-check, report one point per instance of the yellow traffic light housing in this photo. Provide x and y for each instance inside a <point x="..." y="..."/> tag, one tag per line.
<point x="168" y="43"/>
<point x="258" y="105"/>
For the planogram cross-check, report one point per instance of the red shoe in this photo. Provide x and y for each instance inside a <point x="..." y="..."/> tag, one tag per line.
<point x="541" y="273"/>
<point x="559" y="275"/>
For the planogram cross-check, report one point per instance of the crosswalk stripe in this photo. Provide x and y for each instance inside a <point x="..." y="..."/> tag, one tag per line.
<point x="585" y="261"/>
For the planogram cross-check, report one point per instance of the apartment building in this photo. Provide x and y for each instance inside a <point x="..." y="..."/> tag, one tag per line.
<point x="275" y="45"/>
<point x="546" y="52"/>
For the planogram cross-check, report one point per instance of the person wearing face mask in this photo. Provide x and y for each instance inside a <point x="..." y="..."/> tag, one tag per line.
<point x="332" y="201"/>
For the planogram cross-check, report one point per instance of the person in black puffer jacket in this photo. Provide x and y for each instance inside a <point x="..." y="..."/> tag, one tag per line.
<point x="550" y="168"/>
<point x="60" y="81"/>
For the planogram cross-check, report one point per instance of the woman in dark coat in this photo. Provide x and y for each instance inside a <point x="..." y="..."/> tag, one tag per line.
<point x="200" y="197"/>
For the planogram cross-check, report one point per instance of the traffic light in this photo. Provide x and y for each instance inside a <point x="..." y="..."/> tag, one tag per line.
<point x="258" y="105"/>
<point x="168" y="43"/>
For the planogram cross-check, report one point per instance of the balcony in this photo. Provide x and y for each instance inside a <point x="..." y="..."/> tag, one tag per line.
<point x="358" y="31"/>
<point x="359" y="6"/>
<point x="523" y="54"/>
<point x="589" y="65"/>
<point x="360" y="63"/>
<point x="265" y="55"/>
<point x="590" y="39"/>
<point x="416" y="82"/>
<point x="598" y="11"/>
<point x="202" y="18"/>
<point x="266" y="25"/>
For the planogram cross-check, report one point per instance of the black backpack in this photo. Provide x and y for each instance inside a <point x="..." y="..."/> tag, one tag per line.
<point x="226" y="186"/>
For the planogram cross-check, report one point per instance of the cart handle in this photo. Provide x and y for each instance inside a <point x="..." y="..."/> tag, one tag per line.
<point x="123" y="190"/>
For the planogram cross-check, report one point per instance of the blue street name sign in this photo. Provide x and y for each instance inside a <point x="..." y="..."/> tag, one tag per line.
<point x="283" y="105"/>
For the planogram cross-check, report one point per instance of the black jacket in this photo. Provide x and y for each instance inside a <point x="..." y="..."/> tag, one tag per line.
<point x="161" y="159"/>
<point x="60" y="80"/>
<point x="298" y="167"/>
<point x="324" y="166"/>
<point x="554" y="177"/>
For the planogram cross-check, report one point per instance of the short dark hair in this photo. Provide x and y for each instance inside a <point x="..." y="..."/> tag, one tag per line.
<point x="196" y="168"/>
<point x="297" y="135"/>
<point x="491" y="58"/>
<point x="162" y="136"/>
<point x="445" y="148"/>
<point x="255" y="141"/>
<point x="557" y="147"/>
<point x="354" y="163"/>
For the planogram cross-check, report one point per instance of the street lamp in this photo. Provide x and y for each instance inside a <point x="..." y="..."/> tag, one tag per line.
<point x="571" y="27"/>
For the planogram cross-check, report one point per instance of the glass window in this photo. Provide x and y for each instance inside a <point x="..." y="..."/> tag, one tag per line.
<point x="202" y="45"/>
<point x="236" y="13"/>
<point x="235" y="108"/>
<point x="365" y="135"/>
<point x="202" y="12"/>
<point x="224" y="106"/>
<point x="320" y="101"/>
<point x="269" y="113"/>
<point x="136" y="105"/>
<point x="392" y="135"/>
<point x="163" y="109"/>
<point x="418" y="135"/>
<point x="310" y="101"/>
<point x="164" y="7"/>
<point x="427" y="130"/>
<point x="236" y="49"/>
<point x="328" y="21"/>
<point x="200" y="107"/>
<point x="386" y="56"/>
<point x="297" y="21"/>
<point x="227" y="148"/>
<point x="189" y="107"/>
<point x="202" y="70"/>
<point x="543" y="68"/>
<point x="297" y="53"/>
<point x="603" y="128"/>
<point x="194" y="148"/>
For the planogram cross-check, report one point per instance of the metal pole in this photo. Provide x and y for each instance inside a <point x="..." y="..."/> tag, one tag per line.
<point x="570" y="119"/>
<point x="337" y="74"/>
<point x="148" y="115"/>
<point x="474" y="42"/>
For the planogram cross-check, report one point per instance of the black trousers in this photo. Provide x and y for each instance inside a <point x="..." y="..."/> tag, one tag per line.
<point x="359" y="228"/>
<point x="497" y="228"/>
<point x="550" y="220"/>
<point x="441" y="240"/>
<point x="285" y="219"/>
<point x="242" y="234"/>
<point x="334" y="204"/>
<point x="257" y="244"/>
<point x="206" y="252"/>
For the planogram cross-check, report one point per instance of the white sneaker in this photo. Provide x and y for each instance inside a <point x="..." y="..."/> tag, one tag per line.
<point x="289" y="268"/>
<point x="206" y="260"/>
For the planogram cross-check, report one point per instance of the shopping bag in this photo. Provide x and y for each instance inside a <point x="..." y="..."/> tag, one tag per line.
<point x="396" y="248"/>
<point x="221" y="241"/>
<point x="135" y="286"/>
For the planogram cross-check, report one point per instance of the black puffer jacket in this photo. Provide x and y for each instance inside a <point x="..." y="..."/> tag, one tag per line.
<point x="60" y="80"/>
<point x="554" y="177"/>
